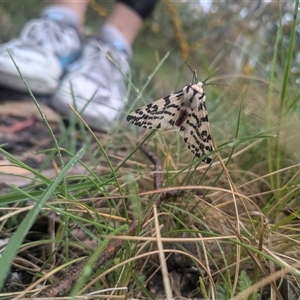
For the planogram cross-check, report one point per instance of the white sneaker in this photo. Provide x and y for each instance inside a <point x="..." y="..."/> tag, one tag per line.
<point x="43" y="50"/>
<point x="94" y="85"/>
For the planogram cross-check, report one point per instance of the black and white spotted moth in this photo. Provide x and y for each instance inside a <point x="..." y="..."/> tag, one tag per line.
<point x="186" y="110"/>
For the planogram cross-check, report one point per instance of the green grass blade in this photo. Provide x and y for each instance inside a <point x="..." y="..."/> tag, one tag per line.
<point x="287" y="70"/>
<point x="18" y="237"/>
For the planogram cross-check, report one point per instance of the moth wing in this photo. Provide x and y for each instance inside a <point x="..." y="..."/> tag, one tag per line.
<point x="158" y="114"/>
<point x="195" y="131"/>
<point x="184" y="109"/>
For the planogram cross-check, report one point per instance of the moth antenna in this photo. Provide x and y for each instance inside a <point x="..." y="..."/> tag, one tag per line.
<point x="218" y="84"/>
<point x="204" y="82"/>
<point x="195" y="78"/>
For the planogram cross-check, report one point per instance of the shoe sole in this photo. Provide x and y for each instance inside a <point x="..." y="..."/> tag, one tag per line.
<point x="16" y="83"/>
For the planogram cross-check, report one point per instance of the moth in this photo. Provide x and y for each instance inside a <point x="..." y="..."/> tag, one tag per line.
<point x="185" y="110"/>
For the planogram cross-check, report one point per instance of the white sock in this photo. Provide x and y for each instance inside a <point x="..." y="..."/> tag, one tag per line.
<point x="111" y="35"/>
<point x="61" y="14"/>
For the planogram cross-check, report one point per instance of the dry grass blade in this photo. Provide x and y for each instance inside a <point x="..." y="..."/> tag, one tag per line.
<point x="62" y="286"/>
<point x="162" y="258"/>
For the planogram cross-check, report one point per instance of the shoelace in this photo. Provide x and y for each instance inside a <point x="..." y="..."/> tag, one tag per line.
<point x="40" y="34"/>
<point x="95" y="58"/>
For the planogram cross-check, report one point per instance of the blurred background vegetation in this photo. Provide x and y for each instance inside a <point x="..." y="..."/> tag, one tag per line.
<point x="235" y="40"/>
<point x="233" y="36"/>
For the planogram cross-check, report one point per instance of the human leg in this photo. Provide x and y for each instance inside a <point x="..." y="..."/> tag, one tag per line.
<point x="127" y="21"/>
<point x="98" y="85"/>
